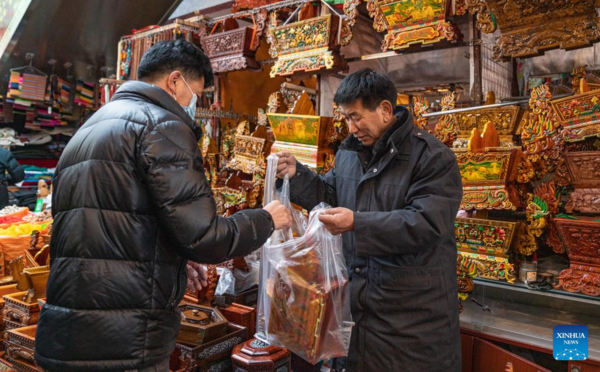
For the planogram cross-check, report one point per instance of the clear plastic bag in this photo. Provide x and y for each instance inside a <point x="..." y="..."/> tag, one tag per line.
<point x="304" y="296"/>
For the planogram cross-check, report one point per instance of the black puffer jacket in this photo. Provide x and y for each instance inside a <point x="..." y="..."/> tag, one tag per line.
<point x="131" y="205"/>
<point x="402" y="252"/>
<point x="10" y="172"/>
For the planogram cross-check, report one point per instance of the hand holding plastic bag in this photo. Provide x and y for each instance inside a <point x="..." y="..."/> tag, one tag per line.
<point x="304" y="300"/>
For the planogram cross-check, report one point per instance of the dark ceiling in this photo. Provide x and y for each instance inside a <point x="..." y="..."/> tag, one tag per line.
<point x="83" y="32"/>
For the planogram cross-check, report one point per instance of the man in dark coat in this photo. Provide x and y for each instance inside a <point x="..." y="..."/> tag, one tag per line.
<point x="397" y="190"/>
<point x="131" y="206"/>
<point x="11" y="172"/>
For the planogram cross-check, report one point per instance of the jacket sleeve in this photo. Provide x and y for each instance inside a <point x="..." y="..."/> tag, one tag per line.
<point x="172" y="167"/>
<point x="307" y="189"/>
<point x="16" y="173"/>
<point x="432" y="201"/>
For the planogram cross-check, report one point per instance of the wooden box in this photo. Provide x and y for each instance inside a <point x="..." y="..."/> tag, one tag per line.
<point x="257" y="356"/>
<point x="408" y="25"/>
<point x="304" y="136"/>
<point x="201" y="324"/>
<point x="484" y="236"/>
<point x="489" y="179"/>
<point x="579" y="115"/>
<point x="20" y="348"/>
<point x="247" y="298"/>
<point x="214" y="355"/>
<point x="302" y="324"/>
<point x="241" y="315"/>
<point x="18" y="311"/>
<point x="308" y="46"/>
<point x="231" y="50"/>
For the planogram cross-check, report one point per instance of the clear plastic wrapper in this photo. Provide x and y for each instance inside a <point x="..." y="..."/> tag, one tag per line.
<point x="226" y="284"/>
<point x="304" y="297"/>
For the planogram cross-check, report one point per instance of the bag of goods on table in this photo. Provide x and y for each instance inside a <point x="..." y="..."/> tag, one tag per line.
<point x="14" y="211"/>
<point x="304" y="300"/>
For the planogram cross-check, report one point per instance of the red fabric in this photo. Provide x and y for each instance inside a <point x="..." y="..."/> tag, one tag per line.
<point x="42" y="163"/>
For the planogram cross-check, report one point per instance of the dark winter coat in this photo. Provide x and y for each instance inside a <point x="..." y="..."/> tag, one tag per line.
<point x="402" y="253"/>
<point x="131" y="205"/>
<point x="10" y="172"/>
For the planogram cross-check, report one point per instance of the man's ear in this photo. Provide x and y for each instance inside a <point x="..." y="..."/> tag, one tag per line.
<point x="387" y="110"/>
<point x="172" y="80"/>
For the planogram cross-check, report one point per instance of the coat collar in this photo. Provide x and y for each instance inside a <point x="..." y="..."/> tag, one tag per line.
<point x="394" y="136"/>
<point x="157" y="96"/>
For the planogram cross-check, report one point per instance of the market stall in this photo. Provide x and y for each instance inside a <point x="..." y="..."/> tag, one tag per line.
<point x="523" y="126"/>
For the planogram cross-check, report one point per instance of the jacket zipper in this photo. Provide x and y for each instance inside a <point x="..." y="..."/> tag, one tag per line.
<point x="177" y="288"/>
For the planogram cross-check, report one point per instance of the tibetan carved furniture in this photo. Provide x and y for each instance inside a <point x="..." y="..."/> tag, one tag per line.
<point x="201" y="324"/>
<point x="214" y="355"/>
<point x="18" y="313"/>
<point x="505" y="120"/>
<point x="579" y="115"/>
<point x="21" y="308"/>
<point x="241" y="315"/>
<point x="489" y="179"/>
<point x="5" y="290"/>
<point x="584" y="168"/>
<point x="528" y="28"/>
<point x="581" y="236"/>
<point x="484" y="246"/>
<point x="309" y="46"/>
<point x="20" y="348"/>
<point x="33" y="280"/>
<point x="235" y="49"/>
<point x="412" y="22"/>
<point x="257" y="356"/>
<point x="305" y="137"/>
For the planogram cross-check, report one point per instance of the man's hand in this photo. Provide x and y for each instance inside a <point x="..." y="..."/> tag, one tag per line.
<point x="337" y="220"/>
<point x="282" y="218"/>
<point x="197" y="278"/>
<point x="286" y="165"/>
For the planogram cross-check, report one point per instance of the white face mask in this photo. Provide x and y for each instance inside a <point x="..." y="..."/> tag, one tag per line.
<point x="191" y="108"/>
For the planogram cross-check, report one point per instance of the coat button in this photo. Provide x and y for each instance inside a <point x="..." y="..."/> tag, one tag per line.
<point x="375" y="170"/>
<point x="391" y="151"/>
<point x="357" y="270"/>
<point x="418" y="134"/>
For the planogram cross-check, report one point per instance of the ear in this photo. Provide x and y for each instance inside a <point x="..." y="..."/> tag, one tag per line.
<point x="172" y="80"/>
<point x="387" y="110"/>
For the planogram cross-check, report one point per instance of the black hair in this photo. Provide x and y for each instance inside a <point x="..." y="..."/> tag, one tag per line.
<point x="366" y="85"/>
<point x="167" y="56"/>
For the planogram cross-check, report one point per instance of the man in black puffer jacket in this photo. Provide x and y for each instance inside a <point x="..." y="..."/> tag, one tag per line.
<point x="10" y="172"/>
<point x="131" y="205"/>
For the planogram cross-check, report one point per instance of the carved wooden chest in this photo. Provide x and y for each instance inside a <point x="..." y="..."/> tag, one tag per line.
<point x="20" y="348"/>
<point x="18" y="312"/>
<point x="213" y="355"/>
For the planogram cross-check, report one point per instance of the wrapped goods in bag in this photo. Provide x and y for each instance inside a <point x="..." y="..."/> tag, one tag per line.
<point x="305" y="295"/>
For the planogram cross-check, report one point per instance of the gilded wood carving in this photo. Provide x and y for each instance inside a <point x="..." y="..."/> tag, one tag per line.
<point x="582" y="240"/>
<point x="531" y="27"/>
<point x="412" y="22"/>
